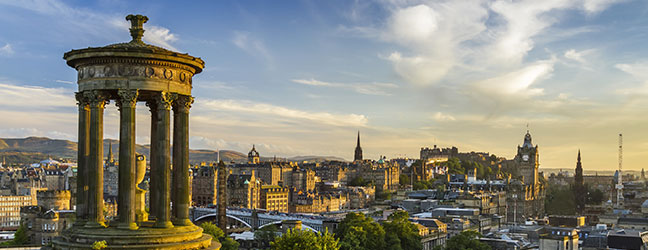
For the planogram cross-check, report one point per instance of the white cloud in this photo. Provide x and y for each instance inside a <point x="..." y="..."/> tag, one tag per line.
<point x="575" y="55"/>
<point x="251" y="45"/>
<point x="433" y="34"/>
<point x="153" y="34"/>
<point x="638" y="70"/>
<point x="86" y="22"/>
<point x="33" y="97"/>
<point x="353" y="120"/>
<point x="595" y="6"/>
<point x="374" y="88"/>
<point x="517" y="84"/>
<point x="441" y="117"/>
<point x="6" y="50"/>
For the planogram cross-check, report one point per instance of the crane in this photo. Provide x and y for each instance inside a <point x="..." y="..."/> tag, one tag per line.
<point x="619" y="185"/>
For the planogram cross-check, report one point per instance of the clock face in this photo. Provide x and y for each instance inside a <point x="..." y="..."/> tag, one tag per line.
<point x="525" y="157"/>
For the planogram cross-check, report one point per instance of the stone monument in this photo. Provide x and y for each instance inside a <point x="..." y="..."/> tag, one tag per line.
<point x="128" y="73"/>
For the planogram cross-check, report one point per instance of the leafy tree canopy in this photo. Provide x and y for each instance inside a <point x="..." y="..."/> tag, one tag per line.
<point x="303" y="239"/>
<point x="359" y="232"/>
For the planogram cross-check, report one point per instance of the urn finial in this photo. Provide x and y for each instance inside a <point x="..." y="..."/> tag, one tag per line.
<point x="137" y="29"/>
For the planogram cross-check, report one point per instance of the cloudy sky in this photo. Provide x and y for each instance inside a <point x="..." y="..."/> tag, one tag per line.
<point x="302" y="77"/>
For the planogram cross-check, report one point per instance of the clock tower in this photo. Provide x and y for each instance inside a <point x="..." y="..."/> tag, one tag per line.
<point x="527" y="161"/>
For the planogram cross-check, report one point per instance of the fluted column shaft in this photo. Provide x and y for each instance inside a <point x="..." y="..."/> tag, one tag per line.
<point x="126" y="198"/>
<point x="82" y="158"/>
<point x="181" y="195"/>
<point x="97" y="101"/>
<point x="153" y="196"/>
<point x="162" y="171"/>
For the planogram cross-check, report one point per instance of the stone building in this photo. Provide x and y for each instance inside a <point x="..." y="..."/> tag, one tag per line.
<point x="274" y="198"/>
<point x="49" y="218"/>
<point x="243" y="190"/>
<point x="253" y="156"/>
<point x="526" y="194"/>
<point x="303" y="179"/>
<point x="358" y="150"/>
<point x="204" y="186"/>
<point x="111" y="175"/>
<point x="10" y="209"/>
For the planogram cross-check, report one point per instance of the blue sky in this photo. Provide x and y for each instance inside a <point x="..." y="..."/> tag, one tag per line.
<point x="302" y="77"/>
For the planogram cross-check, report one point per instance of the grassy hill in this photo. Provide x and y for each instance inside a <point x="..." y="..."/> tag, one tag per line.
<point x="34" y="149"/>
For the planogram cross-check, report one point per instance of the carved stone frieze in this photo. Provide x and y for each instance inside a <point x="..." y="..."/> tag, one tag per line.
<point x="162" y="72"/>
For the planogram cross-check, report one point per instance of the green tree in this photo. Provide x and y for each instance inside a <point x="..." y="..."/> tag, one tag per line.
<point x="20" y="238"/>
<point x="213" y="230"/>
<point x="383" y="195"/>
<point x="218" y="235"/>
<point x="454" y="166"/>
<point x="303" y="239"/>
<point x="595" y="196"/>
<point x="400" y="233"/>
<point x="403" y="179"/>
<point x="358" y="181"/>
<point x="266" y="234"/>
<point x="560" y="201"/>
<point x="359" y="232"/>
<point x="465" y="240"/>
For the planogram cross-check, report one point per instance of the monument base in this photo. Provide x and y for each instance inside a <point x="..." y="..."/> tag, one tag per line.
<point x="180" y="237"/>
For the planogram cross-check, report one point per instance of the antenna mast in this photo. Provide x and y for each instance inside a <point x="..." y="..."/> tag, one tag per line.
<point x="619" y="185"/>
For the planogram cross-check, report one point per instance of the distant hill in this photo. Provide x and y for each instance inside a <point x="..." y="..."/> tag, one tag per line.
<point x="313" y="158"/>
<point x="34" y="149"/>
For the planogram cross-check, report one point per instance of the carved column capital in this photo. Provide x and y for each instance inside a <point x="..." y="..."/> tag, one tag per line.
<point x="127" y="98"/>
<point x="97" y="98"/>
<point x="164" y="100"/>
<point x="182" y="103"/>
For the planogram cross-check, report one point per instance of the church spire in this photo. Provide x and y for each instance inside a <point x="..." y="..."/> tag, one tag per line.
<point x="579" y="156"/>
<point x="358" y="150"/>
<point x="110" y="153"/>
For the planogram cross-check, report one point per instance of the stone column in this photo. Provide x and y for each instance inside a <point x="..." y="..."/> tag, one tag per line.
<point x="153" y="151"/>
<point x="82" y="159"/>
<point x="181" y="195"/>
<point x="126" y="197"/>
<point x="97" y="101"/>
<point x="162" y="171"/>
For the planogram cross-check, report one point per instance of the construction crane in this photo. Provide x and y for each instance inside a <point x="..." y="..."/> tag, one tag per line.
<point x="619" y="185"/>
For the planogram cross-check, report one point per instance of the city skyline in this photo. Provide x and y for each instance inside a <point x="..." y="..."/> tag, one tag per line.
<point x="301" y="78"/>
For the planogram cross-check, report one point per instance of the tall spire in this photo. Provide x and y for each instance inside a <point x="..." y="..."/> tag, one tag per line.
<point x="358" y="150"/>
<point x="579" y="158"/>
<point x="110" y="153"/>
<point x="358" y="145"/>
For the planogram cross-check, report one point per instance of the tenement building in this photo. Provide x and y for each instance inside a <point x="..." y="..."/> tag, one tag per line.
<point x="204" y="186"/>
<point x="130" y="73"/>
<point x="49" y="218"/>
<point x="274" y="198"/>
<point x="10" y="209"/>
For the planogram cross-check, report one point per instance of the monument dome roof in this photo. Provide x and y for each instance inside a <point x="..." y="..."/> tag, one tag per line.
<point x="136" y="48"/>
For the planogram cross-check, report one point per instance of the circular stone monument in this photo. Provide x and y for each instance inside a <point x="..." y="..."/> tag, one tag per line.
<point x="129" y="73"/>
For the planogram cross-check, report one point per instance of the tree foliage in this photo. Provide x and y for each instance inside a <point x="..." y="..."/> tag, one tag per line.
<point x="218" y="235"/>
<point x="560" y="201"/>
<point x="400" y="233"/>
<point x="465" y="240"/>
<point x="20" y="238"/>
<point x="403" y="180"/>
<point x="383" y="195"/>
<point x="359" y="182"/>
<point x="359" y="232"/>
<point x="303" y="239"/>
<point x="266" y="234"/>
